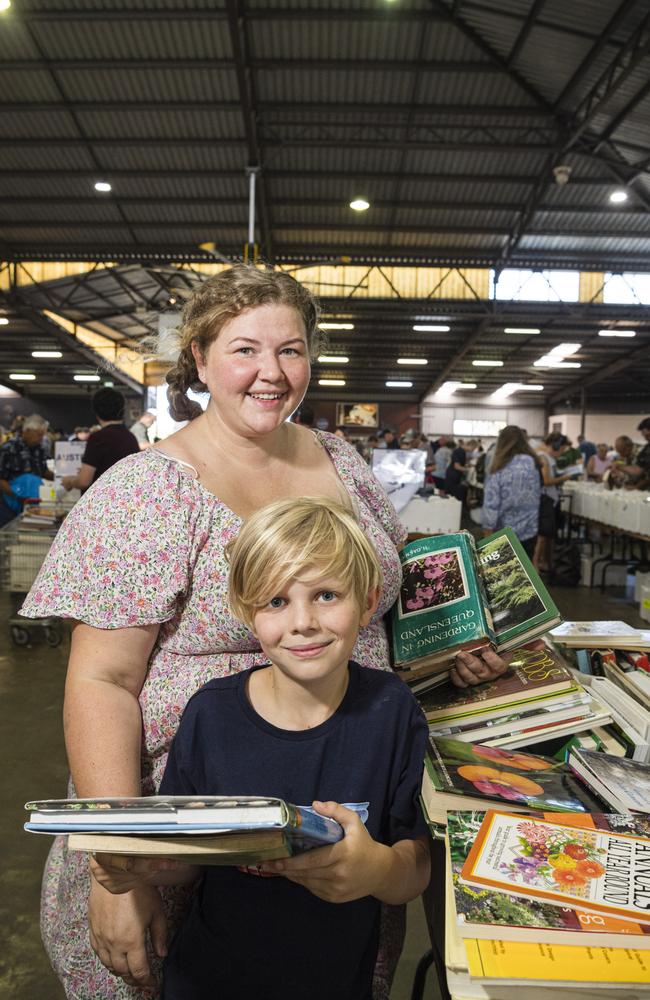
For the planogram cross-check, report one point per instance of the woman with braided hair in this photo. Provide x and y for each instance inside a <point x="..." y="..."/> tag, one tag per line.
<point x="139" y="566"/>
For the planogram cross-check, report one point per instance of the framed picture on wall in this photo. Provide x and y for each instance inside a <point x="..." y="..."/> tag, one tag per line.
<point x="357" y="414"/>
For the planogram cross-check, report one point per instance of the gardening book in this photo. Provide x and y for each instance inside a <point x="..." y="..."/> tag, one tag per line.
<point x="180" y="814"/>
<point x="598" y="635"/>
<point x="521" y="606"/>
<point x="622" y="783"/>
<point x="534" y="675"/>
<point x="247" y="848"/>
<point x="605" y="872"/>
<point x="493" y="915"/>
<point x="460" y="775"/>
<point x="441" y="608"/>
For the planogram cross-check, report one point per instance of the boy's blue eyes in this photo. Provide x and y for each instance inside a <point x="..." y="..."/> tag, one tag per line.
<point x="276" y="602"/>
<point x="327" y="596"/>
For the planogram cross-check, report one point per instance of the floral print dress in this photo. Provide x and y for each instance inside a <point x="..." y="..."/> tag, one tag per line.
<point x="145" y="545"/>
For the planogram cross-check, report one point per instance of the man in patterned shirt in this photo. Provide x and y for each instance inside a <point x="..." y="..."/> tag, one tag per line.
<point x="22" y="454"/>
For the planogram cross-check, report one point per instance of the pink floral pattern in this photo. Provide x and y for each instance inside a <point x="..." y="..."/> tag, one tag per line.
<point x="145" y="545"/>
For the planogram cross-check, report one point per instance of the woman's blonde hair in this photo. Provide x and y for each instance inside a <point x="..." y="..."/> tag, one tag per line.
<point x="280" y="541"/>
<point x="218" y="300"/>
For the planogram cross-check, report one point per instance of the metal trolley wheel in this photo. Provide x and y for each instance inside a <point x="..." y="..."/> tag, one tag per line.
<point x="20" y="636"/>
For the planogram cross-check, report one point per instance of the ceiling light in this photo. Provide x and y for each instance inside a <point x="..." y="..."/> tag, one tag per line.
<point x="333" y="359"/>
<point x="564" y="350"/>
<point x="531" y="388"/>
<point x="488" y="364"/>
<point x="618" y="197"/>
<point x="360" y="204"/>
<point x="336" y="326"/>
<point x="521" y="329"/>
<point x="22" y="377"/>
<point x="3" y="321"/>
<point x="110" y="384"/>
<point x="86" y="378"/>
<point x="412" y="361"/>
<point x="548" y="362"/>
<point x="5" y="4"/>
<point x="331" y="381"/>
<point x="399" y="385"/>
<point x="102" y="186"/>
<point x="617" y="333"/>
<point x="47" y="354"/>
<point x="427" y="328"/>
<point x="507" y="389"/>
<point x="467" y="385"/>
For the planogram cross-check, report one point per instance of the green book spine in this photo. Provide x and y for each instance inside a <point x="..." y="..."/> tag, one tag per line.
<point x="521" y="605"/>
<point x="441" y="607"/>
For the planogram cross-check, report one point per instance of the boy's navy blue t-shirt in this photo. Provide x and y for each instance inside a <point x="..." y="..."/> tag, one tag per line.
<point x="258" y="937"/>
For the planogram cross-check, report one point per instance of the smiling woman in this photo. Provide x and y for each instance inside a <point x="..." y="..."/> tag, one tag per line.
<point x="139" y="565"/>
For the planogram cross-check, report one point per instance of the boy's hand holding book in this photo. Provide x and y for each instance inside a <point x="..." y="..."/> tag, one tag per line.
<point x="357" y="865"/>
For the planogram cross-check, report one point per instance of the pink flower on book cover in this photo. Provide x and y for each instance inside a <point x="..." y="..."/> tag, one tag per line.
<point x="550" y="858"/>
<point x="432" y="581"/>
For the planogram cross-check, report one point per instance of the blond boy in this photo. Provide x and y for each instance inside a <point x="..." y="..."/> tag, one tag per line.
<point x="314" y="728"/>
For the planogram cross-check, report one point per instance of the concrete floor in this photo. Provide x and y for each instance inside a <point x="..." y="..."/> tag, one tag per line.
<point x="34" y="766"/>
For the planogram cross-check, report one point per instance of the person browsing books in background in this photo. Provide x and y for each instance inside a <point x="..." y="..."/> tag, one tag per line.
<point x="310" y="726"/>
<point x="107" y="446"/>
<point x="598" y="463"/>
<point x="513" y="488"/>
<point x="549" y="451"/>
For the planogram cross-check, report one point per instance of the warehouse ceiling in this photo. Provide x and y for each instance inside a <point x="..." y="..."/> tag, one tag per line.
<point x="450" y="117"/>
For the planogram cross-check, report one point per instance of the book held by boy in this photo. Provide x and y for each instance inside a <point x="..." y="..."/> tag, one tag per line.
<point x="241" y="848"/>
<point x="173" y="815"/>
<point x="600" y="871"/>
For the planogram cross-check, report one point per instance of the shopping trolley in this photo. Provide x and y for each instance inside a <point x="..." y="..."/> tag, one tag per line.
<point x="23" y="548"/>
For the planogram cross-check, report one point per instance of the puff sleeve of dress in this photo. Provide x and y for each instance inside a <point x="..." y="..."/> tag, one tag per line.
<point x="121" y="557"/>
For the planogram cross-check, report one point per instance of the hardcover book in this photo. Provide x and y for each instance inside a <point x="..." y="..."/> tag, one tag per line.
<point x="599" y="634"/>
<point x="622" y="783"/>
<point x="248" y="848"/>
<point x="473" y="776"/>
<point x="600" y="871"/>
<point x="441" y="608"/>
<point x="180" y="814"/>
<point x="533" y="675"/>
<point x="521" y="606"/>
<point x="493" y="915"/>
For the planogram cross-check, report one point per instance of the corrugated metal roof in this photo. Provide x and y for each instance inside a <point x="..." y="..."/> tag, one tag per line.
<point x="145" y="84"/>
<point x="147" y="39"/>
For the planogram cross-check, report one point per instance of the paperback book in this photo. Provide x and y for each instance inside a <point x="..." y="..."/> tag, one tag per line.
<point x="460" y="775"/>
<point x="601" y="871"/>
<point x="601" y="634"/>
<point x="622" y="783"/>
<point x="181" y="815"/>
<point x="441" y="608"/>
<point x="521" y="606"/>
<point x="493" y="915"/>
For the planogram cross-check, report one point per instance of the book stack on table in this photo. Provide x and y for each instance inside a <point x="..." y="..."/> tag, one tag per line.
<point x="537" y="699"/>
<point x="547" y="903"/>
<point x="613" y="663"/>
<point x="211" y="830"/>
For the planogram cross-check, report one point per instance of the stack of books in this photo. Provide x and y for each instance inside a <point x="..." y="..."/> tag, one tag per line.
<point x="459" y="595"/>
<point x="537" y="699"/>
<point x="547" y="903"/>
<point x="211" y="830"/>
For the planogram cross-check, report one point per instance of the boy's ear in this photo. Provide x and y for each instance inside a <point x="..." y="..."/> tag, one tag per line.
<point x="371" y="603"/>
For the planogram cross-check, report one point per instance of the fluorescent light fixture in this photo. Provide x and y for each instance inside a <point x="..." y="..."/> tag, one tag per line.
<point x="564" y="350"/>
<point x="618" y="197"/>
<point x="431" y="328"/>
<point x="549" y="362"/>
<point x="5" y="4"/>
<point x="336" y="326"/>
<point x="531" y="388"/>
<point x="412" y="361"/>
<point x="103" y="186"/>
<point x="360" y="204"/>
<point x="617" y="333"/>
<point x="3" y="321"/>
<point x="333" y="359"/>
<point x="331" y="381"/>
<point x="521" y="329"/>
<point x="86" y="378"/>
<point x="507" y="389"/>
<point x="399" y="385"/>
<point x="487" y="364"/>
<point x="110" y="384"/>
<point x="21" y="377"/>
<point x="447" y="389"/>
<point x="47" y="354"/>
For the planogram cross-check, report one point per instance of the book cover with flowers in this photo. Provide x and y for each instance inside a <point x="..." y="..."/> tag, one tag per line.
<point x="599" y="871"/>
<point x="488" y="914"/>
<point x="441" y="607"/>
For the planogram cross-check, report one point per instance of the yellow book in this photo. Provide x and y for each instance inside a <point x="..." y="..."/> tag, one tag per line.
<point x="506" y="961"/>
